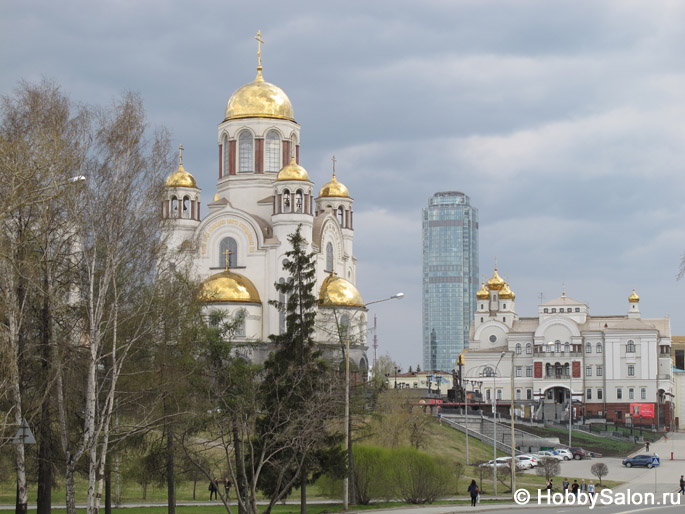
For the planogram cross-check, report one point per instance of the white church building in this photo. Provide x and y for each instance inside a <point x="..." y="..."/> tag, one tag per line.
<point x="615" y="367"/>
<point x="262" y="195"/>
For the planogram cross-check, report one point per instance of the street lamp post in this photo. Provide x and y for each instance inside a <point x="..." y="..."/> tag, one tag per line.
<point x="348" y="419"/>
<point x="494" y="425"/>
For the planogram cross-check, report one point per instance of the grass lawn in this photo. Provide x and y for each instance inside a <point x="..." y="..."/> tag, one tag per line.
<point x="603" y="445"/>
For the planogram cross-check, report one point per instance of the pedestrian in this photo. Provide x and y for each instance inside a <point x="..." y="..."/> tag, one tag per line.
<point x="647" y="446"/>
<point x="682" y="485"/>
<point x="575" y="487"/>
<point x="227" y="487"/>
<point x="565" y="484"/>
<point x="583" y="486"/>
<point x="549" y="484"/>
<point x="213" y="490"/>
<point x="591" y="488"/>
<point x="473" y="492"/>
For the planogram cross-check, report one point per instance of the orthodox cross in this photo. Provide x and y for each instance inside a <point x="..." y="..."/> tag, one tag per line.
<point x="259" y="39"/>
<point x="563" y="289"/>
<point x="180" y="155"/>
<point x="333" y="159"/>
<point x="227" y="253"/>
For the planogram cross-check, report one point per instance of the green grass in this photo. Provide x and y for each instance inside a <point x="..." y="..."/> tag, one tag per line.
<point x="603" y="445"/>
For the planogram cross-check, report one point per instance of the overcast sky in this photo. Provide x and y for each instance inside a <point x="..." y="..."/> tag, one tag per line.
<point x="563" y="121"/>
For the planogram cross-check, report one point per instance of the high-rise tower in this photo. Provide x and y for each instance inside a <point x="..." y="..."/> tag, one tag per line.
<point x="450" y="277"/>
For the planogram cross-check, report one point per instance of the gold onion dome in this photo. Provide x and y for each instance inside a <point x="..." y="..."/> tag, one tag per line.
<point x="259" y="99"/>
<point x="293" y="171"/>
<point x="180" y="177"/>
<point x="506" y="293"/>
<point x="334" y="189"/>
<point x="336" y="291"/>
<point x="634" y="298"/>
<point x="229" y="287"/>
<point x="483" y="293"/>
<point x="495" y="283"/>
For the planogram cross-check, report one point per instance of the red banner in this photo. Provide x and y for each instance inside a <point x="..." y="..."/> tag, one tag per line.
<point x="643" y="410"/>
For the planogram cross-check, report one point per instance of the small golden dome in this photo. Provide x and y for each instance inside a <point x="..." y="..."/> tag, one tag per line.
<point x="181" y="178"/>
<point x="259" y="99"/>
<point x="336" y="291"/>
<point x="495" y="283"/>
<point x="634" y="298"/>
<point x="293" y="171"/>
<point x="216" y="197"/>
<point x="229" y="287"/>
<point x="506" y="293"/>
<point x="483" y="293"/>
<point x="334" y="189"/>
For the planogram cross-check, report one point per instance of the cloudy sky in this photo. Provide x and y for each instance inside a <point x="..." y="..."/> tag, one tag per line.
<point x="563" y="121"/>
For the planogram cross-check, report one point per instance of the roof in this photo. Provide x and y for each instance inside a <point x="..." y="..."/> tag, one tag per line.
<point x="562" y="300"/>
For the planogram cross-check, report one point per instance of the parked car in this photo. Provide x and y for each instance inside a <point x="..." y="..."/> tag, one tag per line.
<point x="526" y="461"/>
<point x="502" y="462"/>
<point x="644" y="459"/>
<point x="565" y="454"/>
<point x="579" y="453"/>
<point x="547" y="453"/>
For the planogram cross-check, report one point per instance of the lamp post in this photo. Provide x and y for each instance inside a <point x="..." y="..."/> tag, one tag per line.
<point x="494" y="425"/>
<point x="513" y="435"/>
<point x="348" y="419"/>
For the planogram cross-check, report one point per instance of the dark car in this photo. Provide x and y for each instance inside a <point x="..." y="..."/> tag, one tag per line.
<point x="578" y="453"/>
<point x="639" y="460"/>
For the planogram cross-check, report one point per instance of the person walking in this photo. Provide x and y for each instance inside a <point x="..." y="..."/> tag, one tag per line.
<point x="565" y="485"/>
<point x="575" y="487"/>
<point x="591" y="488"/>
<point x="473" y="492"/>
<point x="227" y="487"/>
<point x="682" y="485"/>
<point x="647" y="446"/>
<point x="583" y="486"/>
<point x="213" y="490"/>
<point x="549" y="484"/>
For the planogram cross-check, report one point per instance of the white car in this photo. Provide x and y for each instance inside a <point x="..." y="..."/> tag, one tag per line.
<point x="546" y="453"/>
<point x="566" y="454"/>
<point x="526" y="461"/>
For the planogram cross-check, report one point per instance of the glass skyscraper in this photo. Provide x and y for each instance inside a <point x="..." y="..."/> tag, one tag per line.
<point x="450" y="277"/>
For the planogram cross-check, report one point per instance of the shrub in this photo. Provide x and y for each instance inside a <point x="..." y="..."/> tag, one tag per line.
<point x="371" y="464"/>
<point x="417" y="477"/>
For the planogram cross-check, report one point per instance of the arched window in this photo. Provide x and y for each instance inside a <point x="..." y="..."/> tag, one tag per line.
<point x="630" y="347"/>
<point x="329" y="257"/>
<point x="240" y="318"/>
<point x="567" y="347"/>
<point x="518" y="348"/>
<point x="557" y="346"/>
<point x="287" y="201"/>
<point x="272" y="151"/>
<point x="529" y="349"/>
<point x="246" y="152"/>
<point x="341" y="216"/>
<point x="228" y="244"/>
<point x="224" y="154"/>
<point x="548" y="369"/>
<point x="293" y="146"/>
<point x="174" y="207"/>
<point x="599" y="348"/>
<point x="499" y="394"/>
<point x="588" y="347"/>
<point x="186" y="207"/>
<point x="488" y="372"/>
<point x="298" y="200"/>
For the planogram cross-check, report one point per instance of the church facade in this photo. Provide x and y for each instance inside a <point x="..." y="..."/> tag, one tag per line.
<point x="614" y="367"/>
<point x="263" y="195"/>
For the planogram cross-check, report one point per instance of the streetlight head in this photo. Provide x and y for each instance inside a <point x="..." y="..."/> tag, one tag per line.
<point x="398" y="296"/>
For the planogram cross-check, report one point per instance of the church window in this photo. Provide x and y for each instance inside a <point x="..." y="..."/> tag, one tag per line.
<point x="174" y="207"/>
<point x="599" y="348"/>
<point x="272" y="152"/>
<point x="588" y="347"/>
<point x="631" y="370"/>
<point x="518" y="348"/>
<point x="545" y="310"/>
<point x="246" y="152"/>
<point x="529" y="371"/>
<point x="287" y="201"/>
<point x="557" y="346"/>
<point x="588" y="371"/>
<point x="600" y="371"/>
<point x="488" y="372"/>
<point x="298" y="201"/>
<point x="567" y="347"/>
<point x="329" y="257"/>
<point x="577" y="309"/>
<point x="224" y="144"/>
<point x="186" y="207"/>
<point x="519" y="371"/>
<point x="630" y="347"/>
<point x="341" y="216"/>
<point x="554" y="309"/>
<point x="529" y="348"/>
<point x="228" y="244"/>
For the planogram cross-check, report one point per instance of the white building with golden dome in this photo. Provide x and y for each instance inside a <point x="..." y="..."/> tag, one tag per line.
<point x="262" y="195"/>
<point x="615" y="367"/>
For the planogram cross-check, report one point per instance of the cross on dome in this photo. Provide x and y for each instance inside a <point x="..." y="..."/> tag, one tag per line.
<point x="227" y="253"/>
<point x="259" y="39"/>
<point x="180" y="155"/>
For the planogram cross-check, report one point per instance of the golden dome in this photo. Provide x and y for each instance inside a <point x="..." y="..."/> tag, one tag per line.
<point x="336" y="291"/>
<point x="495" y="283"/>
<point x="634" y="298"/>
<point x="506" y="293"/>
<point x="229" y="287"/>
<point x="334" y="189"/>
<point x="259" y="99"/>
<point x="181" y="178"/>
<point x="293" y="171"/>
<point x="483" y="293"/>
